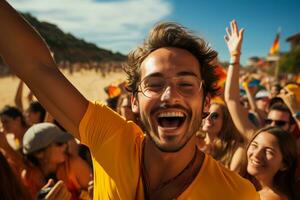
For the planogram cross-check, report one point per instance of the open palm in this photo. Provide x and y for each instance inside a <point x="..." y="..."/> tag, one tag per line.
<point x="234" y="38"/>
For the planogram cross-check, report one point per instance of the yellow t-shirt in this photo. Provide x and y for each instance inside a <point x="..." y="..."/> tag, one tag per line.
<point x="116" y="147"/>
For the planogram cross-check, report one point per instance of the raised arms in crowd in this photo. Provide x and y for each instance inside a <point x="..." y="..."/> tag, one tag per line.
<point x="238" y="113"/>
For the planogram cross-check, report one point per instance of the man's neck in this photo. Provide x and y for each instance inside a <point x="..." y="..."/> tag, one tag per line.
<point x="161" y="166"/>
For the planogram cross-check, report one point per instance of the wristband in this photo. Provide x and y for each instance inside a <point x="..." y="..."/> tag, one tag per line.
<point x="235" y="53"/>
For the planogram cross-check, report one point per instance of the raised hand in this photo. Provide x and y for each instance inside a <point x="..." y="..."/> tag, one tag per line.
<point x="234" y="39"/>
<point x="289" y="99"/>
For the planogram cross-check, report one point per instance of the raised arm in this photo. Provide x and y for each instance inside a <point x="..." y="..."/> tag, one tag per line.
<point x="18" y="96"/>
<point x="27" y="54"/>
<point x="239" y="114"/>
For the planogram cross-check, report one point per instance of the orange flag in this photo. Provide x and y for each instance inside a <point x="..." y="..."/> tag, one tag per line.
<point x="275" y="46"/>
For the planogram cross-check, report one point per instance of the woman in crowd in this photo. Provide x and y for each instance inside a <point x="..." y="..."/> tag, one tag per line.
<point x="271" y="163"/>
<point x="14" y="126"/>
<point x="221" y="138"/>
<point x="124" y="107"/>
<point x="45" y="146"/>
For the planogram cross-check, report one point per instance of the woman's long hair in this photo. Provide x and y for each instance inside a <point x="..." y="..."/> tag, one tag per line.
<point x="284" y="181"/>
<point x="228" y="140"/>
<point x="11" y="187"/>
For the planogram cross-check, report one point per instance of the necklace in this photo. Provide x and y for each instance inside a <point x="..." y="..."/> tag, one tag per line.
<point x="178" y="183"/>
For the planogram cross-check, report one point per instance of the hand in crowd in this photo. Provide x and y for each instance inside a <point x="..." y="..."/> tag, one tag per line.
<point x="234" y="38"/>
<point x="58" y="191"/>
<point x="289" y="99"/>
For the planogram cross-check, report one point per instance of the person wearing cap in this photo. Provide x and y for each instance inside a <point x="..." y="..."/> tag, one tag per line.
<point x="262" y="102"/>
<point x="45" y="147"/>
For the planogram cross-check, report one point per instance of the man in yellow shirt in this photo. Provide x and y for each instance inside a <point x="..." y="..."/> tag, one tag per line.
<point x="170" y="78"/>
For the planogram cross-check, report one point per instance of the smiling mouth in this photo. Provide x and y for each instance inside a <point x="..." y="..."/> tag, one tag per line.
<point x="171" y="120"/>
<point x="256" y="163"/>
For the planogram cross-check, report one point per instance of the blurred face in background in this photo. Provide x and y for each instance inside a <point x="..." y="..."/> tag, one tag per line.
<point x="279" y="118"/>
<point x="213" y="123"/>
<point x="32" y="117"/>
<point x="274" y="91"/>
<point x="125" y="109"/>
<point x="56" y="153"/>
<point x="264" y="157"/>
<point x="262" y="103"/>
<point x="9" y="124"/>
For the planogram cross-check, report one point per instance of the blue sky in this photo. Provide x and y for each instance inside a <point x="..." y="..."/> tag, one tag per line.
<point x="120" y="25"/>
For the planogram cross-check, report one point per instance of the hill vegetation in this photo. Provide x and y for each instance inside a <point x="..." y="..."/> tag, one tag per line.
<point x="69" y="49"/>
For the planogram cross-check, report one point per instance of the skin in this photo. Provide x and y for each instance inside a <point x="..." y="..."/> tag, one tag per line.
<point x="213" y="126"/>
<point x="263" y="103"/>
<point x="9" y="124"/>
<point x="32" y="117"/>
<point x="52" y="156"/>
<point x="168" y="62"/>
<point x="125" y="109"/>
<point x="280" y="115"/>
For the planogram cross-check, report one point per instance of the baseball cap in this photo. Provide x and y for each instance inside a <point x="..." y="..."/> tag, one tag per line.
<point x="261" y="94"/>
<point x="41" y="135"/>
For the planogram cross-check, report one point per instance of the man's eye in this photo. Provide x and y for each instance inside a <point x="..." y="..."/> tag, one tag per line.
<point x="186" y="84"/>
<point x="155" y="85"/>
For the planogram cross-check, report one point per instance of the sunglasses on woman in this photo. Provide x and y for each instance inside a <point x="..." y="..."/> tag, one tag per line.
<point x="213" y="115"/>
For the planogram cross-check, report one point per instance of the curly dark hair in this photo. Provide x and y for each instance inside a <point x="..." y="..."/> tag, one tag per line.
<point x="171" y="34"/>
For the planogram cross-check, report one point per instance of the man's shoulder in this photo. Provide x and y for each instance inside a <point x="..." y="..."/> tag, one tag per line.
<point x="213" y="177"/>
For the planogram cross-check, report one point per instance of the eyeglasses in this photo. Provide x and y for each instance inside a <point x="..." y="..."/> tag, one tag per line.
<point x="279" y="123"/>
<point x="186" y="86"/>
<point x="213" y="115"/>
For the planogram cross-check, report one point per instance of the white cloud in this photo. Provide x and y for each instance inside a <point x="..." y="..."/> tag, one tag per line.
<point x="115" y="25"/>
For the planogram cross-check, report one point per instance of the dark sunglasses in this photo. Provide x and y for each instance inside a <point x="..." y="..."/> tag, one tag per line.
<point x="212" y="115"/>
<point x="279" y="123"/>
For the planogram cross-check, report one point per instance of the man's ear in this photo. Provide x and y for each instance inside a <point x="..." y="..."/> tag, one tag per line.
<point x="134" y="104"/>
<point x="292" y="128"/>
<point x="206" y="103"/>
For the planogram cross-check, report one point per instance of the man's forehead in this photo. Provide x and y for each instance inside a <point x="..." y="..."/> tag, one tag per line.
<point x="278" y="114"/>
<point x="170" y="61"/>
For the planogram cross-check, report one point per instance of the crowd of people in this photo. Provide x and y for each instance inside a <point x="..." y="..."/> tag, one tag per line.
<point x="168" y="132"/>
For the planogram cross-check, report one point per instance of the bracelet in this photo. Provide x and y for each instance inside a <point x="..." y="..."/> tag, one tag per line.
<point x="235" y="53"/>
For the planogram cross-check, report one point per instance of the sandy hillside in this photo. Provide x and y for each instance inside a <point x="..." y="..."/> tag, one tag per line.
<point x="89" y="83"/>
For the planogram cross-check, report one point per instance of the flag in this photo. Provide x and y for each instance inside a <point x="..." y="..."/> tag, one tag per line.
<point x="221" y="73"/>
<point x="275" y="46"/>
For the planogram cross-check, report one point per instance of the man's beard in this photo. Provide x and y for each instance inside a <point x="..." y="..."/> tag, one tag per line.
<point x="153" y="134"/>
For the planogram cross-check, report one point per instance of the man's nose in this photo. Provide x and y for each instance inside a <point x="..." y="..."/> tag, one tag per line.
<point x="170" y="93"/>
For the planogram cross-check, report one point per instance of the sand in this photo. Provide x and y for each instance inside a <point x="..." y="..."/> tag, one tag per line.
<point x="90" y="83"/>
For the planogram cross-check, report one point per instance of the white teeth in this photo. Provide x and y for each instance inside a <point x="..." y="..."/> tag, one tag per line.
<point x="255" y="162"/>
<point x="171" y="114"/>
